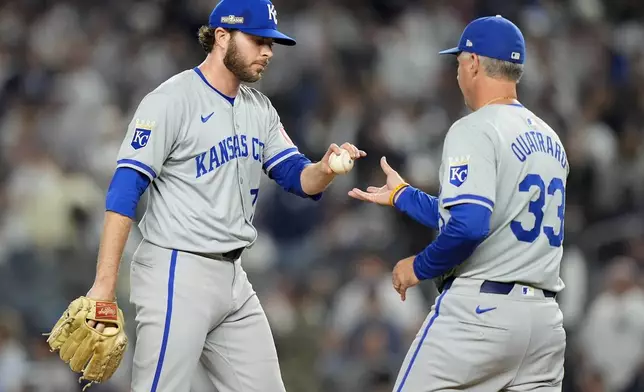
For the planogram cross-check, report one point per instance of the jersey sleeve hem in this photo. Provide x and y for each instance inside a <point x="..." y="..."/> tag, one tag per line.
<point x="279" y="157"/>
<point x="468" y="198"/>
<point x="139" y="166"/>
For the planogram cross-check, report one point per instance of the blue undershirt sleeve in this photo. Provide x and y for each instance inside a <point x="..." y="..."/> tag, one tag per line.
<point x="467" y="227"/>
<point x="418" y="205"/>
<point x="287" y="174"/>
<point x="125" y="191"/>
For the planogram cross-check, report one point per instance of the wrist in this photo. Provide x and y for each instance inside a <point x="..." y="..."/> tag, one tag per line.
<point x="102" y="290"/>
<point x="318" y="170"/>
<point x="322" y="168"/>
<point x="418" y="266"/>
<point x="396" y="192"/>
<point x="314" y="179"/>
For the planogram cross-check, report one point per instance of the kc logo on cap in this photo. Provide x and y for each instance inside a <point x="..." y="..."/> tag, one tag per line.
<point x="272" y="12"/>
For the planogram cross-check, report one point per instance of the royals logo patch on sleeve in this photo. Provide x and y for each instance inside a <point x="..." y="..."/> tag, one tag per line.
<point x="458" y="169"/>
<point x="142" y="134"/>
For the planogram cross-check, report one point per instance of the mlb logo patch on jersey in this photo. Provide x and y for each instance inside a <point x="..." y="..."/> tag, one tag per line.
<point x="458" y="169"/>
<point x="527" y="291"/>
<point x="141" y="134"/>
<point x="531" y="123"/>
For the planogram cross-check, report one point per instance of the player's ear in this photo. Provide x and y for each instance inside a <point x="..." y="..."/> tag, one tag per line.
<point x="475" y="64"/>
<point x="222" y="37"/>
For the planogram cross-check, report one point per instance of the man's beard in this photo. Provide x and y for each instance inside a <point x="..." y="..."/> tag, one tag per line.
<point x="235" y="64"/>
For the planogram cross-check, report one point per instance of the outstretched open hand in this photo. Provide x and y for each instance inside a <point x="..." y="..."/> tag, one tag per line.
<point x="380" y="195"/>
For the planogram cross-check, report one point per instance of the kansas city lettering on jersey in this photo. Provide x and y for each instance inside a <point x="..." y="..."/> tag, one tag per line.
<point x="230" y="148"/>
<point x="534" y="141"/>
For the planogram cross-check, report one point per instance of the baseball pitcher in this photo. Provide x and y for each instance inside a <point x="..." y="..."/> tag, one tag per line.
<point x="198" y="144"/>
<point x="500" y="214"/>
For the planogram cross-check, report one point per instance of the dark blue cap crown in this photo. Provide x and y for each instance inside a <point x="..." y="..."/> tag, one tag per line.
<point x="255" y="17"/>
<point x="494" y="37"/>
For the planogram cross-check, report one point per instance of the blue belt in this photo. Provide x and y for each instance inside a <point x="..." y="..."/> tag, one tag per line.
<point x="503" y="288"/>
<point x="231" y="256"/>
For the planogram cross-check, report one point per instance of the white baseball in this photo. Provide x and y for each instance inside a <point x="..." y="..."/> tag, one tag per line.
<point x="111" y="331"/>
<point x="342" y="163"/>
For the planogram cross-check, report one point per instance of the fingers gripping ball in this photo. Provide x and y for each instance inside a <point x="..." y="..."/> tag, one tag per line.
<point x="95" y="354"/>
<point x="342" y="163"/>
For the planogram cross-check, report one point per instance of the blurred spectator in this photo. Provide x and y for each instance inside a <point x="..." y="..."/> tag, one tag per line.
<point x="47" y="373"/>
<point x="374" y="348"/>
<point x="372" y="286"/>
<point x="612" y="339"/>
<point x="13" y="356"/>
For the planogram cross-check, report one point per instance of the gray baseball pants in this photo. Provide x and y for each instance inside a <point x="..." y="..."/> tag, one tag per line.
<point x="196" y="313"/>
<point x="480" y="341"/>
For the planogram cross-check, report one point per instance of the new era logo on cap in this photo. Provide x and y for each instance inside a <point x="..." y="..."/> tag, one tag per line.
<point x="492" y="36"/>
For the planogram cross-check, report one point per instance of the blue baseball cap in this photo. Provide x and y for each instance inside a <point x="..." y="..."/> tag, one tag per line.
<point x="255" y="17"/>
<point x="494" y="37"/>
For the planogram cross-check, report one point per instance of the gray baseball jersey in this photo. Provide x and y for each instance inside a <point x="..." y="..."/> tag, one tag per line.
<point x="505" y="158"/>
<point x="196" y="311"/>
<point x="205" y="157"/>
<point x="509" y="338"/>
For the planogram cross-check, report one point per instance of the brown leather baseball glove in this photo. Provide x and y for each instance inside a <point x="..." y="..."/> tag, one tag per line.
<point x="95" y="354"/>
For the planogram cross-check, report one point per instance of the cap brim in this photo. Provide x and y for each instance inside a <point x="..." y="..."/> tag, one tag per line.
<point x="278" y="37"/>
<point x="455" y="50"/>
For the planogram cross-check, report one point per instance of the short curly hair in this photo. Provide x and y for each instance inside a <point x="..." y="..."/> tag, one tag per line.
<point x="206" y="36"/>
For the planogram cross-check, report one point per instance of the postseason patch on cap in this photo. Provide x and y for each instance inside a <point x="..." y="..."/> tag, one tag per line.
<point x="232" y="19"/>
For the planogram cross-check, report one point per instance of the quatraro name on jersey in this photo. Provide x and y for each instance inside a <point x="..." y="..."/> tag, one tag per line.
<point x="534" y="141"/>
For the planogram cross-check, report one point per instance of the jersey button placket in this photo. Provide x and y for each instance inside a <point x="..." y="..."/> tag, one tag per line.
<point x="240" y="177"/>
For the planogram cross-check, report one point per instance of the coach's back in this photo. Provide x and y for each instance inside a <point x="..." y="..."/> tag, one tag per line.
<point x="518" y="169"/>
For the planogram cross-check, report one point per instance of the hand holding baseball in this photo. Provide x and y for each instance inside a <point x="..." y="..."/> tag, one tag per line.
<point x="341" y="164"/>
<point x="340" y="160"/>
<point x="381" y="195"/>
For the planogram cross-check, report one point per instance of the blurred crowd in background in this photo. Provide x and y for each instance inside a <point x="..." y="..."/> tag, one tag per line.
<point x="72" y="73"/>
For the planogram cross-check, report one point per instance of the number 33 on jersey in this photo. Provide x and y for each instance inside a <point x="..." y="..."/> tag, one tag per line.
<point x="505" y="158"/>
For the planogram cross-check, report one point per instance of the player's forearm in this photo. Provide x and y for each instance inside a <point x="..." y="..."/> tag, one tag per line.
<point x="123" y="195"/>
<point x="468" y="226"/>
<point x="314" y="179"/>
<point x="116" y="230"/>
<point x="420" y="206"/>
